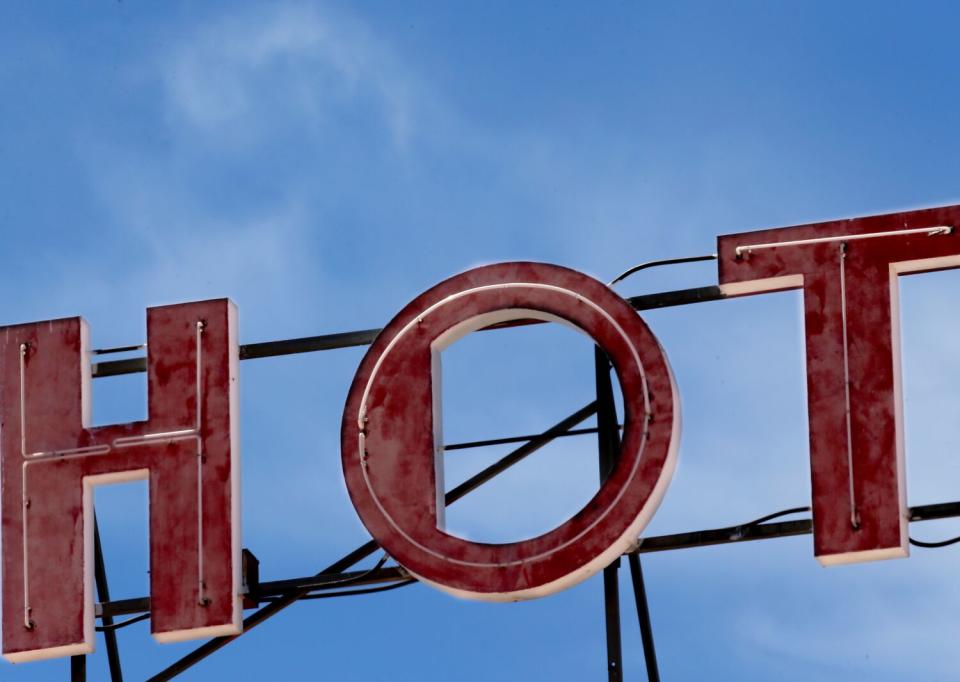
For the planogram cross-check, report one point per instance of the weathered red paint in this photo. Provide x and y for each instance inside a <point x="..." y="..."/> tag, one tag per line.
<point x="391" y="442"/>
<point x="53" y="387"/>
<point x="852" y="340"/>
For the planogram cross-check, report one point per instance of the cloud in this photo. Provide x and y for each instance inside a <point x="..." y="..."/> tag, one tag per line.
<point x="250" y="74"/>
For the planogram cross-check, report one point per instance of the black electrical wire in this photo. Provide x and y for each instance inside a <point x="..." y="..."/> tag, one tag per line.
<point x="656" y="263"/>
<point x="357" y="578"/>
<point x="366" y="590"/>
<point x="123" y="623"/>
<point x="797" y="510"/>
<point x="410" y="581"/>
<point x="934" y="545"/>
<point x="353" y="593"/>
<point x="334" y="584"/>
<point x="774" y="515"/>
<point x="769" y="517"/>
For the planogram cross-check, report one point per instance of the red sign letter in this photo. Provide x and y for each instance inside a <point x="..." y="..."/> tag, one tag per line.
<point x="392" y="443"/>
<point x="51" y="459"/>
<point x="848" y="271"/>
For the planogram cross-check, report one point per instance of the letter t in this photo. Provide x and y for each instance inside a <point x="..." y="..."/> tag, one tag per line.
<point x="848" y="272"/>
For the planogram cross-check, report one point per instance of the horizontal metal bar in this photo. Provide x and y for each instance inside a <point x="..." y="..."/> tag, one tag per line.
<point x="120" y="349"/>
<point x="274" y="588"/>
<point x="334" y="571"/>
<point x="670" y="299"/>
<point x="722" y="536"/>
<point x="520" y="453"/>
<point x="657" y="543"/>
<point x="253" y="351"/>
<point x="310" y="344"/>
<point x="513" y="439"/>
<point x="122" y="607"/>
<point x="766" y="531"/>
<point x="114" y="368"/>
<point x="933" y="512"/>
<point x="276" y="605"/>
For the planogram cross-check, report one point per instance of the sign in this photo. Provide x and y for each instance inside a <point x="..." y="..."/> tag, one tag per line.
<point x="848" y="270"/>
<point x="392" y="441"/>
<point x="50" y="460"/>
<point x="392" y="444"/>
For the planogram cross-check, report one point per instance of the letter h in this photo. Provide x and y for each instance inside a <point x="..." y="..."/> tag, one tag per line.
<point x="50" y="459"/>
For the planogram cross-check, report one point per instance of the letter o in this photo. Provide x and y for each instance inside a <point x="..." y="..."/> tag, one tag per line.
<point x="391" y="441"/>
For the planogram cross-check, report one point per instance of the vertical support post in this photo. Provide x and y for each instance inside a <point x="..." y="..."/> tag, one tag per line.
<point x="643" y="615"/>
<point x="608" y="441"/>
<point x="611" y="604"/>
<point x="103" y="595"/>
<point x="78" y="668"/>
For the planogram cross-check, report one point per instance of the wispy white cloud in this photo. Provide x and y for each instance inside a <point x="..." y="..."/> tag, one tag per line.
<point x="245" y="75"/>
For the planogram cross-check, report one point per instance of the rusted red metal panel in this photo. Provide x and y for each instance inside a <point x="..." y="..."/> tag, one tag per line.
<point x="848" y="272"/>
<point x="51" y="458"/>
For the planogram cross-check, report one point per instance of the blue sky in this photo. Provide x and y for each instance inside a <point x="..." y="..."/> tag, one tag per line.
<point x="323" y="163"/>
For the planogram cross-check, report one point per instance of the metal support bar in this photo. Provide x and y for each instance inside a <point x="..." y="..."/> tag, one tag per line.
<point x="669" y="299"/>
<point x="103" y="594"/>
<point x="611" y="610"/>
<point x="660" y="543"/>
<point x="521" y="453"/>
<point x="512" y="439"/>
<point x="273" y="589"/>
<point x="757" y="531"/>
<point x="608" y="446"/>
<point x="78" y="668"/>
<point x="370" y="547"/>
<point x="259" y="616"/>
<point x="643" y="615"/>
<point x="309" y="344"/>
<point x="250" y="573"/>
<point x="363" y="337"/>
<point x="725" y="536"/>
